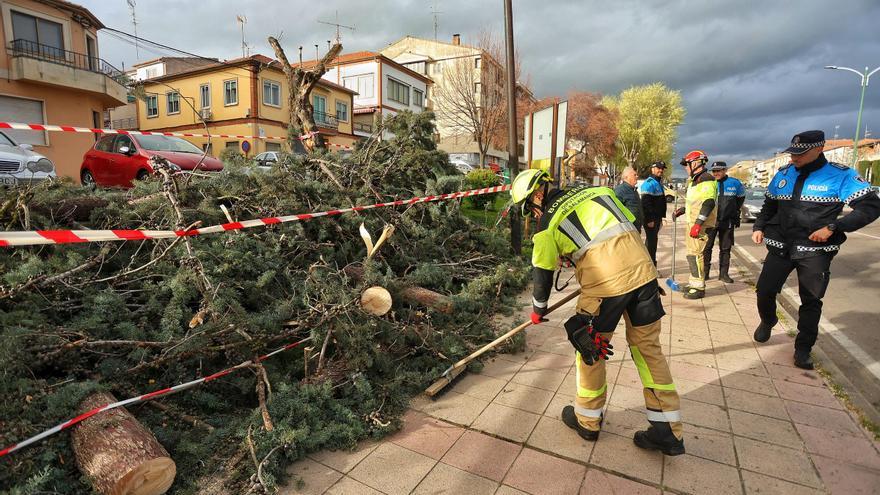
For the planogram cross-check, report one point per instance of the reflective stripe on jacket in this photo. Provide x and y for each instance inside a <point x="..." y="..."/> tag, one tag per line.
<point x="701" y="189"/>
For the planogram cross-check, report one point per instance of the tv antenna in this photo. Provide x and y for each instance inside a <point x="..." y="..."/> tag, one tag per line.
<point x="134" y="23"/>
<point x="242" y="19"/>
<point x="835" y="130"/>
<point x="436" y="13"/>
<point x="338" y="26"/>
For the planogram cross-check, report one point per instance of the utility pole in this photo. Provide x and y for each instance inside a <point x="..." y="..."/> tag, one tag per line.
<point x="242" y="20"/>
<point x="134" y="23"/>
<point x="512" y="141"/>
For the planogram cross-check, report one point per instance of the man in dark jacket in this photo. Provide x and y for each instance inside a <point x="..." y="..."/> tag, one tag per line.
<point x="805" y="199"/>
<point x="731" y="196"/>
<point x="653" y="198"/>
<point x="628" y="195"/>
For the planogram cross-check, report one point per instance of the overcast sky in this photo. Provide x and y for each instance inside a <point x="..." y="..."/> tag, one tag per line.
<point x="750" y="72"/>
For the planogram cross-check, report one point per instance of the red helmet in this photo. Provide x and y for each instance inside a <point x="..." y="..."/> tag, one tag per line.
<point x="693" y="156"/>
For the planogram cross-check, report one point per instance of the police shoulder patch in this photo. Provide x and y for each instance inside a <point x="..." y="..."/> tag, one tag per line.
<point x="838" y="165"/>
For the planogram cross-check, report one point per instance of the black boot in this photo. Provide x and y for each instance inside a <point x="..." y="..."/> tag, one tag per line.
<point x="694" y="293"/>
<point x="762" y="333"/>
<point x="571" y="421"/>
<point x="724" y="277"/>
<point x="659" y="436"/>
<point x="803" y="360"/>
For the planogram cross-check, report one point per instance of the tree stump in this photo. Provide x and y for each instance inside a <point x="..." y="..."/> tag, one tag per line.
<point x="118" y="454"/>
<point x="411" y="294"/>
<point x="376" y="301"/>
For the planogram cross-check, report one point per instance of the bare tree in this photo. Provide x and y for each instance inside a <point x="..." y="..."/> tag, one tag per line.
<point x="300" y="82"/>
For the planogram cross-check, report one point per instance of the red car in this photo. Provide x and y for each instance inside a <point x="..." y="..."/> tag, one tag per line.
<point x="117" y="160"/>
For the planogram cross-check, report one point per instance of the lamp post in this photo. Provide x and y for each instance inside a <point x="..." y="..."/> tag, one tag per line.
<point x="512" y="142"/>
<point x="866" y="77"/>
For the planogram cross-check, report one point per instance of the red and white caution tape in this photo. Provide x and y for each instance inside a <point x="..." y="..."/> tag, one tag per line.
<point x="142" y="398"/>
<point x="67" y="128"/>
<point x="38" y="237"/>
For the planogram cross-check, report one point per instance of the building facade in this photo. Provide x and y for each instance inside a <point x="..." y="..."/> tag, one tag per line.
<point x="246" y="96"/>
<point x="51" y="73"/>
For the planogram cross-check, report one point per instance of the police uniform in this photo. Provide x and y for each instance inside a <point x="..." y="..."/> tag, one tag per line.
<point x="731" y="196"/>
<point x="653" y="209"/>
<point x="700" y="209"/>
<point x="800" y="201"/>
<point x="617" y="278"/>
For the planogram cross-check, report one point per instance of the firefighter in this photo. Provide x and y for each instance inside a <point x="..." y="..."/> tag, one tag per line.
<point x="798" y="223"/>
<point x="731" y="196"/>
<point x="700" y="210"/>
<point x="653" y="206"/>
<point x="590" y="226"/>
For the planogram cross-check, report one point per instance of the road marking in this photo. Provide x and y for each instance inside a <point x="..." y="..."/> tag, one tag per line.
<point x="866" y="235"/>
<point x="828" y="328"/>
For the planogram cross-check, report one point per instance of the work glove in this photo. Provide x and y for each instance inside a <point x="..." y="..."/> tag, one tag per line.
<point x="536" y="318"/>
<point x="678" y="212"/>
<point x="695" y="230"/>
<point x="589" y="343"/>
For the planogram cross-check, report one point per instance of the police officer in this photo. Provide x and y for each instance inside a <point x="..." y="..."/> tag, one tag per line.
<point x="731" y="196"/>
<point x="617" y="278"/>
<point x="653" y="206"/>
<point x="802" y="205"/>
<point x="700" y="207"/>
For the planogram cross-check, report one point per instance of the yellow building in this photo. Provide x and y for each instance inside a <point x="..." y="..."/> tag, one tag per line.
<point x="246" y="96"/>
<point x="51" y="73"/>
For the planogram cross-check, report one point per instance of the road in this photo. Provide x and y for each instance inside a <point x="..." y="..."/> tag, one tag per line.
<point x="851" y="303"/>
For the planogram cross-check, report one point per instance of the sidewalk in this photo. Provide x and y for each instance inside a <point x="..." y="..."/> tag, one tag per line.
<point x="753" y="422"/>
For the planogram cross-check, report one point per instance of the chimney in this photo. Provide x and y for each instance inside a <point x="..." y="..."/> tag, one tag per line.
<point x="456" y="39"/>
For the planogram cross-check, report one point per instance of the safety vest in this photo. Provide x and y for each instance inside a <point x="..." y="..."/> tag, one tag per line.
<point x="700" y="190"/>
<point x="592" y="227"/>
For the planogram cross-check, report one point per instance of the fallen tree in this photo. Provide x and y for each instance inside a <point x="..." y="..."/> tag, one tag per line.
<point x="134" y="317"/>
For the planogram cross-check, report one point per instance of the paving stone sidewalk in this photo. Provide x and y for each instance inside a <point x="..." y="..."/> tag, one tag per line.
<point x="753" y="422"/>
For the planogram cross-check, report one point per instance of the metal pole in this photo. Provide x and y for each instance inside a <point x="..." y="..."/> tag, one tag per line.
<point x="512" y="141"/>
<point x="855" y="162"/>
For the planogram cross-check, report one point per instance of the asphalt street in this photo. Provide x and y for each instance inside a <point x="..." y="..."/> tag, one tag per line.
<point x="851" y="303"/>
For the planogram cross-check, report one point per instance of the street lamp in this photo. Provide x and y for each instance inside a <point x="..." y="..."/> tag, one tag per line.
<point x="866" y="76"/>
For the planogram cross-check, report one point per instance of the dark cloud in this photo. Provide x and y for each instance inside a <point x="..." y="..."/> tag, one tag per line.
<point x="750" y="72"/>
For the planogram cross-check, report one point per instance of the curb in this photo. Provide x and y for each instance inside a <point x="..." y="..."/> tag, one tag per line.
<point x="825" y="348"/>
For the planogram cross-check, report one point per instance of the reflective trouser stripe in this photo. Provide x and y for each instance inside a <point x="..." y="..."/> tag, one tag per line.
<point x="589" y="394"/>
<point x="539" y="304"/>
<point x="645" y="373"/>
<point x="664" y="416"/>
<point x="590" y="413"/>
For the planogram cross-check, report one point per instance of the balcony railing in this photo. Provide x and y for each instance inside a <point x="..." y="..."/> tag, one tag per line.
<point x="362" y="127"/>
<point x="55" y="55"/>
<point x="326" y="120"/>
<point x="126" y="123"/>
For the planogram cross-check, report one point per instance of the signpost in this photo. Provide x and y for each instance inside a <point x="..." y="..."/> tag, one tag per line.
<point x="545" y="139"/>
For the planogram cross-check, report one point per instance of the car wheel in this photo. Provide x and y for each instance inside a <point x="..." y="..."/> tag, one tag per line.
<point x="87" y="179"/>
<point x="670" y="198"/>
<point x="142" y="175"/>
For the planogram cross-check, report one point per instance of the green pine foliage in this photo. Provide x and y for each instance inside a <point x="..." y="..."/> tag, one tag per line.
<point x="119" y="319"/>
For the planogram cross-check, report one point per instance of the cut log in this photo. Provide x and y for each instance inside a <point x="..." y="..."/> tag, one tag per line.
<point x="376" y="301"/>
<point x="118" y="454"/>
<point x="411" y="294"/>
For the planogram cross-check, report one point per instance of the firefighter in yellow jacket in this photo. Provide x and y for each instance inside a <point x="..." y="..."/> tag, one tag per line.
<point x="701" y="211"/>
<point x="593" y="229"/>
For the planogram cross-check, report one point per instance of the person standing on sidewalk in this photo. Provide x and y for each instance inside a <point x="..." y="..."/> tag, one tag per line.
<point x="628" y="195"/>
<point x="805" y="199"/>
<point x="701" y="211"/>
<point x="731" y="196"/>
<point x="617" y="279"/>
<point x="653" y="206"/>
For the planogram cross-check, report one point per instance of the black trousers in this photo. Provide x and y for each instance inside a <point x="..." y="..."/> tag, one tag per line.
<point x="651" y="238"/>
<point x="813" y="274"/>
<point x="725" y="243"/>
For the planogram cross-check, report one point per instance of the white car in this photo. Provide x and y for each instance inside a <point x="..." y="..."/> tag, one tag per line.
<point x="462" y="166"/>
<point x="20" y="165"/>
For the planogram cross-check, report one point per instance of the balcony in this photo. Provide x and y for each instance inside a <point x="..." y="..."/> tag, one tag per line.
<point x="50" y="65"/>
<point x="326" y="120"/>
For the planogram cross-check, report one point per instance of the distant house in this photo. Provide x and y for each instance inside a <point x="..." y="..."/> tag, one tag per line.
<point x="384" y="87"/>
<point x="52" y="74"/>
<point x="245" y="96"/>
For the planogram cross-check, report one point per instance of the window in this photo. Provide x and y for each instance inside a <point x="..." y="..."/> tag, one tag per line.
<point x="209" y="148"/>
<point x="341" y="111"/>
<point x="24" y="110"/>
<point x="172" y="103"/>
<point x="38" y="34"/>
<point x="205" y="95"/>
<point x="152" y="72"/>
<point x="232" y="145"/>
<point x="319" y="105"/>
<point x="363" y="84"/>
<point x="271" y="93"/>
<point x="418" y="98"/>
<point x="230" y="92"/>
<point x="416" y="67"/>
<point x="105" y="144"/>
<point x="476" y="62"/>
<point x="477" y="87"/>
<point x="152" y="102"/>
<point x="397" y="91"/>
<point x="122" y="142"/>
<point x="270" y="146"/>
<point x="438" y="67"/>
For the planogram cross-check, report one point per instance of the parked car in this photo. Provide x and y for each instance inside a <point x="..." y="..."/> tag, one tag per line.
<point x="667" y="191"/>
<point x="753" y="203"/>
<point x="462" y="166"/>
<point x="117" y="160"/>
<point x="267" y="158"/>
<point x="21" y="165"/>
